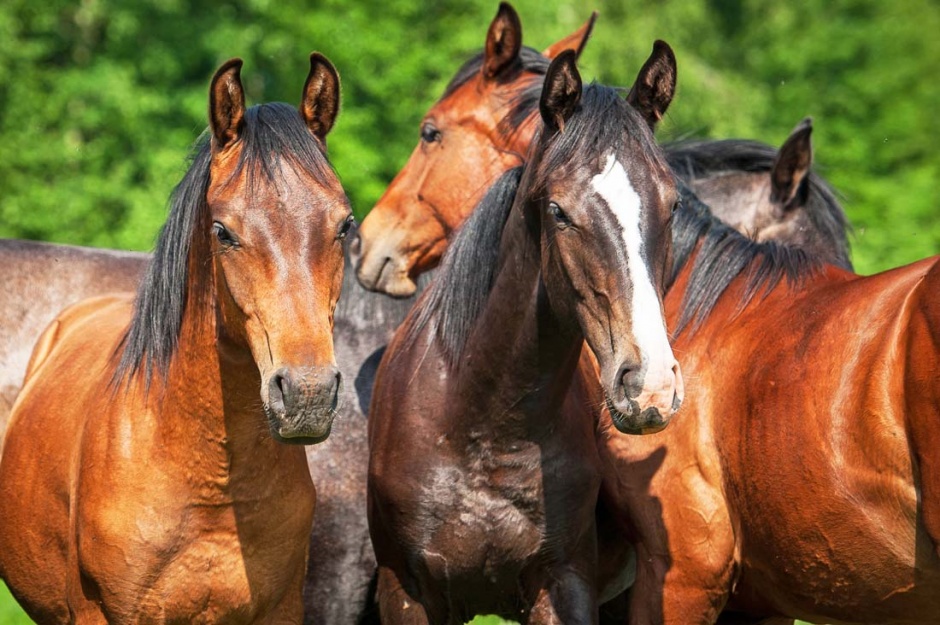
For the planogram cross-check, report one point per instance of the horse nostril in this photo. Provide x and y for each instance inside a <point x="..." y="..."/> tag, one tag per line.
<point x="629" y="381"/>
<point x="279" y="389"/>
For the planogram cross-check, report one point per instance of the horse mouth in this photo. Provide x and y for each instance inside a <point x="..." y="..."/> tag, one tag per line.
<point x="648" y="421"/>
<point x="300" y="429"/>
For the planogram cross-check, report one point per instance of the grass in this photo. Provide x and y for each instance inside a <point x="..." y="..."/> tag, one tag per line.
<point x="10" y="612"/>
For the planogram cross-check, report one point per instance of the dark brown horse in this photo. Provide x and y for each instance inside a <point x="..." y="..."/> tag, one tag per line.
<point x="483" y="475"/>
<point x="141" y="467"/>
<point x="801" y="479"/>
<point x="482" y="126"/>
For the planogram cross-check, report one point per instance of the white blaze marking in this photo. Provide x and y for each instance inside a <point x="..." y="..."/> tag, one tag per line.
<point x="649" y="330"/>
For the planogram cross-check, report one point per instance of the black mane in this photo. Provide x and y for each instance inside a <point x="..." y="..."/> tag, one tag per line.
<point x="693" y="160"/>
<point x="454" y="300"/>
<point x="273" y="134"/>
<point x="525" y="101"/>
<point x="723" y="255"/>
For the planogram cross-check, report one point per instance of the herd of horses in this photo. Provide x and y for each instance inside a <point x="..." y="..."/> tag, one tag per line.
<point x="643" y="384"/>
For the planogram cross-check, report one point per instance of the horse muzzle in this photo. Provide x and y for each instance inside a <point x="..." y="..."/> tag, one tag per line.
<point x="381" y="268"/>
<point x="644" y="401"/>
<point x="301" y="403"/>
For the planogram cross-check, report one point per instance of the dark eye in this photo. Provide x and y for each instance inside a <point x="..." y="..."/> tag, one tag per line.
<point x="675" y="206"/>
<point x="429" y="133"/>
<point x="225" y="237"/>
<point x="561" y="219"/>
<point x="345" y="227"/>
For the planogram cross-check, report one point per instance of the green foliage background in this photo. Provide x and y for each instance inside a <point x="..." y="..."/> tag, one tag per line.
<point x="100" y="99"/>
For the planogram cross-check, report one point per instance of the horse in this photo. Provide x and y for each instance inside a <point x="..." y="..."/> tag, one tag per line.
<point x="482" y="126"/>
<point x="141" y="467"/>
<point x="767" y="194"/>
<point x="800" y="479"/>
<point x="483" y="473"/>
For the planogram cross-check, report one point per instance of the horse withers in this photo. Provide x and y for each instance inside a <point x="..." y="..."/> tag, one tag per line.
<point x="142" y="468"/>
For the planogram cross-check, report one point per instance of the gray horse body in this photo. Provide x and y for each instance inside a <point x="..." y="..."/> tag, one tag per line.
<point x="40" y="279"/>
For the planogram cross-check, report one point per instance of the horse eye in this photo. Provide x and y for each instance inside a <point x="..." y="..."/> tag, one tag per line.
<point x="561" y="219"/>
<point x="225" y="237"/>
<point x="345" y="227"/>
<point x="430" y="134"/>
<point x="675" y="206"/>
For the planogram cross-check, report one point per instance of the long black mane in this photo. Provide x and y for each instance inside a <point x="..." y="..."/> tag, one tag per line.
<point x="456" y="297"/>
<point x="273" y="135"/>
<point x="524" y="101"/>
<point x="462" y="285"/>
<point x="723" y="255"/>
<point x="698" y="159"/>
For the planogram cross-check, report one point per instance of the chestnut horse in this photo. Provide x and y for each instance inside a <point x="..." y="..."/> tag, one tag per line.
<point x="484" y="474"/>
<point x="482" y="126"/>
<point x="802" y="477"/>
<point x="141" y="467"/>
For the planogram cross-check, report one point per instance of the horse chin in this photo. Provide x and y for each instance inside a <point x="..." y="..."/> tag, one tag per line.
<point x="638" y="422"/>
<point x="300" y="430"/>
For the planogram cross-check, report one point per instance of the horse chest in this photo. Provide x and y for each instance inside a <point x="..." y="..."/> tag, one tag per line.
<point x="479" y="519"/>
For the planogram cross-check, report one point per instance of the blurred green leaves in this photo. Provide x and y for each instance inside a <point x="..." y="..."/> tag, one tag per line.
<point x="100" y="99"/>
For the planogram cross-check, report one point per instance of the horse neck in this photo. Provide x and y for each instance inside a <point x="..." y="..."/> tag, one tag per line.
<point x="519" y="350"/>
<point x="211" y="410"/>
<point x="923" y="346"/>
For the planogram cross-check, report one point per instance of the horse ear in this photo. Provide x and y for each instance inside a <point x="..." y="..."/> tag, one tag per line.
<point x="655" y="84"/>
<point x="575" y="41"/>
<point x="503" y="41"/>
<point x="227" y="103"/>
<point x="792" y="165"/>
<point x="562" y="90"/>
<point x="319" y="104"/>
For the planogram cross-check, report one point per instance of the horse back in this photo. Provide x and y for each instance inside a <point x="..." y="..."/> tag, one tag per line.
<point x="40" y="451"/>
<point x="38" y="281"/>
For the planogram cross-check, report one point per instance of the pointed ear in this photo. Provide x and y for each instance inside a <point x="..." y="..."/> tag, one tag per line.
<point x="792" y="165"/>
<point x="319" y="104"/>
<point x="655" y="84"/>
<point x="561" y="92"/>
<point x="226" y="103"/>
<point x="575" y="41"/>
<point x="503" y="41"/>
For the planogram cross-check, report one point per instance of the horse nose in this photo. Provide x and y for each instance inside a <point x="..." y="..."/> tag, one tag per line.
<point x="304" y="401"/>
<point x="644" y="396"/>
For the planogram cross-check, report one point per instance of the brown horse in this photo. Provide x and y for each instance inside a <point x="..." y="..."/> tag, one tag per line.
<point x="483" y="476"/>
<point x="482" y="126"/>
<point x="141" y="468"/>
<point x="801" y="479"/>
